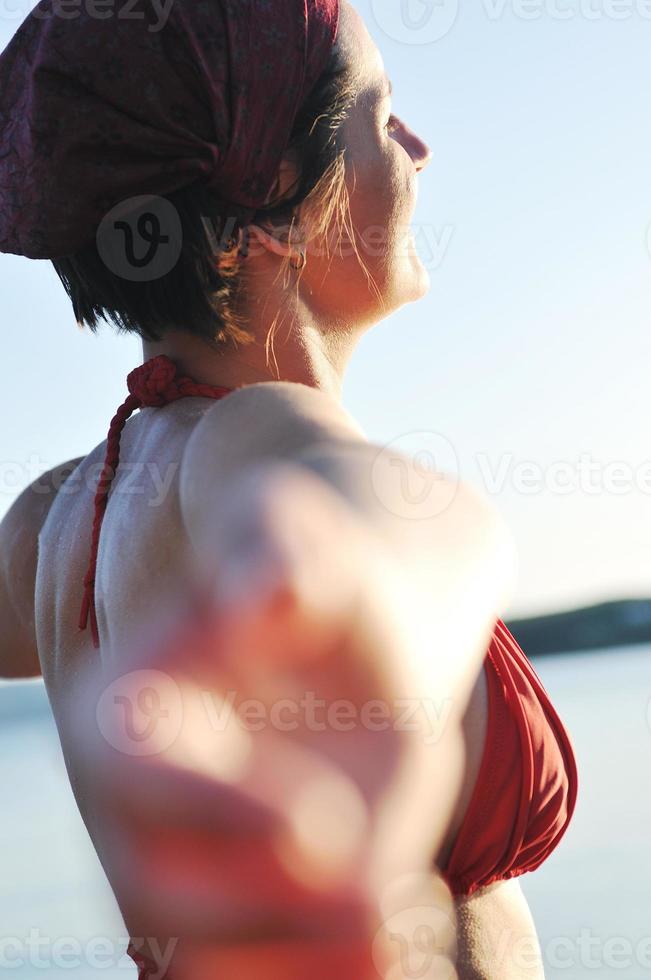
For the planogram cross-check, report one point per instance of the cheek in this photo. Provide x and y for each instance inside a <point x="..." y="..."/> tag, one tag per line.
<point x="381" y="199"/>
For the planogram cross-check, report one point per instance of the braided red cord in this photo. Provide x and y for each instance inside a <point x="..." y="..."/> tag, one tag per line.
<point x="101" y="499"/>
<point x="154" y="384"/>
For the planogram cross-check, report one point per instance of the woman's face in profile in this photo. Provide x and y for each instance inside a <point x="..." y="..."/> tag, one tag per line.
<point x="383" y="159"/>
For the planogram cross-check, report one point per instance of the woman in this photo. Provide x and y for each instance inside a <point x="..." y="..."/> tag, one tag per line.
<point x="272" y="139"/>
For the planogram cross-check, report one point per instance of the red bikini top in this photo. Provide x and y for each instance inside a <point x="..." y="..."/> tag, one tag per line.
<point x="526" y="789"/>
<point x="155" y="383"/>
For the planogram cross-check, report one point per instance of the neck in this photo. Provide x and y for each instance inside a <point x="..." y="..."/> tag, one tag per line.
<point x="304" y="355"/>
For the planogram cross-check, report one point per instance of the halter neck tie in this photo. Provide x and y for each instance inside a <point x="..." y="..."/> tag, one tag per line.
<point x="152" y="385"/>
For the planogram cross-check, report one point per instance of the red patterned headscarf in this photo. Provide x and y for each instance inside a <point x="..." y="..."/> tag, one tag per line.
<point x="101" y="103"/>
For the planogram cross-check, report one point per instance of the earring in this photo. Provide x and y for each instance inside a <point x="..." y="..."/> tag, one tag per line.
<point x="298" y="263"/>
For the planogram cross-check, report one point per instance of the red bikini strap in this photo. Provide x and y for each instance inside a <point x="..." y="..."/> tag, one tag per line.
<point x="154" y="384"/>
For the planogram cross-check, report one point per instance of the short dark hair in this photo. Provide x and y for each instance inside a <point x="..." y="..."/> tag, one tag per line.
<point x="197" y="294"/>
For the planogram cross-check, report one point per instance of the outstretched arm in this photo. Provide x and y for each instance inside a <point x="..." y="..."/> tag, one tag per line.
<point x="327" y="591"/>
<point x="453" y="548"/>
<point x="19" y="532"/>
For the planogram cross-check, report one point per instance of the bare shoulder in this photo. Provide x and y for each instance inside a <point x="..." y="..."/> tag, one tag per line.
<point x="285" y="421"/>
<point x="268" y="420"/>
<point x="271" y="415"/>
<point x="19" y="531"/>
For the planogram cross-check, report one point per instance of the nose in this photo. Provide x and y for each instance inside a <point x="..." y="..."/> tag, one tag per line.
<point x="419" y="151"/>
<point x="424" y="158"/>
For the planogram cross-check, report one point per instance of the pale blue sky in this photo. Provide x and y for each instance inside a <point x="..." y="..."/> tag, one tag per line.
<point x="533" y="344"/>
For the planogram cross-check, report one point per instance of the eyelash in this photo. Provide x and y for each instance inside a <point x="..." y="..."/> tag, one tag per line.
<point x="392" y="124"/>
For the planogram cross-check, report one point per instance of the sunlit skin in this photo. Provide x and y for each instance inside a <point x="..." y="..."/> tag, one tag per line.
<point x="152" y="557"/>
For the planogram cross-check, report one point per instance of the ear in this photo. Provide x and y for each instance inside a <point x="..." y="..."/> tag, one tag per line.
<point x="288" y="174"/>
<point x="270" y="242"/>
<point x="285" y="181"/>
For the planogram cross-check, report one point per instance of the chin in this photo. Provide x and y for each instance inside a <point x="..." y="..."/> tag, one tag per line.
<point x="412" y="280"/>
<point x="424" y="282"/>
<point x="407" y="280"/>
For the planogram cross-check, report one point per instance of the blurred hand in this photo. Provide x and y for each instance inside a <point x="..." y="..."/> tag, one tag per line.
<point x="268" y="769"/>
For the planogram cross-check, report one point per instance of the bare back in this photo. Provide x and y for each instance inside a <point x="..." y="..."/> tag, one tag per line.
<point x="145" y="554"/>
<point x="141" y="556"/>
<point x="143" y="545"/>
